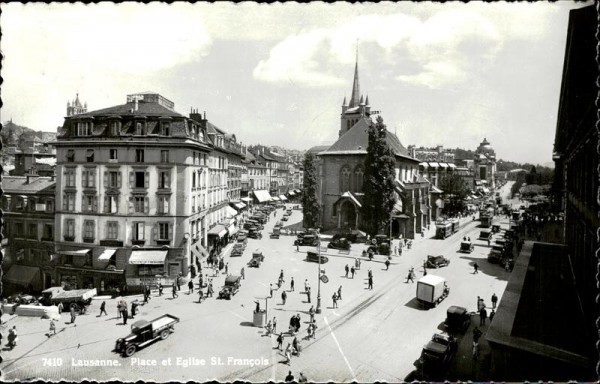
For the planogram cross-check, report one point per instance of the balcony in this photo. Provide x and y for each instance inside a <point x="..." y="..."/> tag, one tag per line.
<point x="138" y="242"/>
<point x="163" y="242"/>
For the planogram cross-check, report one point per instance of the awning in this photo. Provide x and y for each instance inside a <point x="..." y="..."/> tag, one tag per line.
<point x="291" y="193"/>
<point x="435" y="189"/>
<point x="262" y="196"/>
<point x="434" y="164"/>
<point x="238" y="206"/>
<point x="80" y="252"/>
<point x="232" y="229"/>
<point x="451" y="165"/>
<point x="21" y="274"/>
<point x="298" y="191"/>
<point x="246" y="199"/>
<point x="218" y="230"/>
<point x="402" y="216"/>
<point x="352" y="198"/>
<point x="275" y="198"/>
<point x="424" y="164"/>
<point x="107" y="254"/>
<point x="282" y="198"/>
<point x="397" y="208"/>
<point x="230" y="211"/>
<point x="443" y="165"/>
<point x="147" y="257"/>
<point x="201" y="249"/>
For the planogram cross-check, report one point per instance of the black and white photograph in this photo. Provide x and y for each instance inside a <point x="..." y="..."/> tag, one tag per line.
<point x="299" y="192"/>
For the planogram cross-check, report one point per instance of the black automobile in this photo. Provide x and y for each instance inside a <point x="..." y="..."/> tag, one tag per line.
<point x="253" y="233"/>
<point x="340" y="243"/>
<point x="438" y="352"/>
<point x="380" y="249"/>
<point x="436" y="261"/>
<point x="457" y="319"/>
<point x="310" y="240"/>
<point x="351" y="237"/>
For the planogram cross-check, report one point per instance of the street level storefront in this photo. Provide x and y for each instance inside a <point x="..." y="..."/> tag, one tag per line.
<point x="152" y="266"/>
<point x="216" y="239"/>
<point x="261" y="196"/>
<point x="22" y="278"/>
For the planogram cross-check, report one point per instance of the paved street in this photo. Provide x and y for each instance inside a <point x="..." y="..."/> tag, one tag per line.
<point x="373" y="335"/>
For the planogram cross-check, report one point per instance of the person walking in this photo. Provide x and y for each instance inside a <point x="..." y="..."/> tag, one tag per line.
<point x="347" y="270"/>
<point x="190" y="287"/>
<point x="119" y="310"/>
<point x="103" y="309"/>
<point x="13" y="337"/>
<point x="387" y="264"/>
<point x="160" y="289"/>
<point x="289" y="377"/>
<point x="339" y="293"/>
<point x="271" y="290"/>
<point x="482" y="316"/>
<point x="492" y="314"/>
<point x="134" y="305"/>
<point x="305" y="285"/>
<point x="125" y="314"/>
<point x="243" y="274"/>
<point x="288" y="356"/>
<point x="311" y="312"/>
<point x="280" y="341"/>
<point x="73" y="315"/>
<point x="494" y="301"/>
<point x="174" y="291"/>
<point x="283" y="297"/>
<point x="60" y="308"/>
<point x="292" y="285"/>
<point x="227" y="268"/>
<point x="308" y="295"/>
<point x="335" y="299"/>
<point x="352" y="270"/>
<point x="475" y="268"/>
<point x="200" y="295"/>
<point x="410" y="276"/>
<point x="370" y="273"/>
<point x="371" y="282"/>
<point x="178" y="280"/>
<point x="274" y="324"/>
<point x="52" y="327"/>
<point x="210" y="290"/>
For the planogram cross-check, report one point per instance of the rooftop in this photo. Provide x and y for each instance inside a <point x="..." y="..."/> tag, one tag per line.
<point x="18" y="184"/>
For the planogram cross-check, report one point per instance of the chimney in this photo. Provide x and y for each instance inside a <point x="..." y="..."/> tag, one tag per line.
<point x="204" y="115"/>
<point x="135" y="105"/>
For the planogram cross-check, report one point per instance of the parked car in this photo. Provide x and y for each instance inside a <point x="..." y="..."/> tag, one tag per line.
<point x="257" y="258"/>
<point x="380" y="249"/>
<point x="438" y="352"/>
<point x="351" y="237"/>
<point x="231" y="287"/>
<point x="254" y="233"/>
<point x="284" y="218"/>
<point x="242" y="237"/>
<point x="237" y="250"/>
<point x="144" y="332"/>
<point x="436" y="261"/>
<point x="466" y="247"/>
<point x="314" y="257"/>
<point x="457" y="319"/>
<point x="485" y="234"/>
<point x="310" y="240"/>
<point x="340" y="243"/>
<point x="78" y="299"/>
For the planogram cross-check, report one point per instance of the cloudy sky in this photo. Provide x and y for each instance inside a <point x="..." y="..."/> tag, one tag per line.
<point x="447" y="74"/>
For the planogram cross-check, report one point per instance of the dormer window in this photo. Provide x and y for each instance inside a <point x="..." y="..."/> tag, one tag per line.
<point x="84" y="128"/>
<point x="89" y="156"/>
<point x="166" y="129"/>
<point x="139" y="129"/>
<point x="114" y="128"/>
<point x="70" y="156"/>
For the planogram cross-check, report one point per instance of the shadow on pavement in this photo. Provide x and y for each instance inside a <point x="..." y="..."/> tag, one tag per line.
<point x="247" y="324"/>
<point x="486" y="267"/>
<point x="414" y="303"/>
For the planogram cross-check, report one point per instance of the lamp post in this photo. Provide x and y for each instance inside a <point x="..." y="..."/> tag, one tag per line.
<point x="318" y="310"/>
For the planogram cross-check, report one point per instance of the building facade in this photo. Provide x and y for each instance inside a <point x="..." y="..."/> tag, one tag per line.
<point x="435" y="154"/>
<point x="484" y="164"/>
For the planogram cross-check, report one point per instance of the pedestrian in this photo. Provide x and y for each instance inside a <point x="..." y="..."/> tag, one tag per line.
<point x="410" y="276"/>
<point x="387" y="265"/>
<point x="125" y="314"/>
<point x="274" y="325"/>
<point x="179" y="282"/>
<point x="292" y="285"/>
<point x="370" y="273"/>
<point x="190" y="287"/>
<point x="289" y="377"/>
<point x="227" y="268"/>
<point x="13" y="337"/>
<point x="160" y="289"/>
<point x="492" y="314"/>
<point x="200" y="295"/>
<point x="60" y="308"/>
<point x="134" y="305"/>
<point x="308" y="295"/>
<point x="494" y="301"/>
<point x="280" y="341"/>
<point x="271" y="290"/>
<point x="302" y="378"/>
<point x="352" y="270"/>
<point x="335" y="298"/>
<point x="475" y="268"/>
<point x="119" y="309"/>
<point x="52" y="327"/>
<point x="347" y="270"/>
<point x="311" y="312"/>
<point x="281" y="275"/>
<point x="288" y="356"/>
<point x="482" y="316"/>
<point x="371" y="282"/>
<point x="283" y="297"/>
<point x="305" y="285"/>
<point x="469" y="238"/>
<point x="174" y="291"/>
<point x="210" y="290"/>
<point x="73" y="315"/>
<point x="339" y="293"/>
<point x="242" y="274"/>
<point x="103" y="309"/>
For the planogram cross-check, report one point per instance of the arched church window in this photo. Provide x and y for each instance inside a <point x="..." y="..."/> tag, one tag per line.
<point x="358" y="179"/>
<point x="345" y="179"/>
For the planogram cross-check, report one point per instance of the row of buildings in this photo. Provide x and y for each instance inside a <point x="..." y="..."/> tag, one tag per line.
<point x="140" y="194"/>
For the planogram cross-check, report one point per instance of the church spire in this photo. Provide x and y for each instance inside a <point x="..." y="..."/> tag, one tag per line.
<point x="355" y="98"/>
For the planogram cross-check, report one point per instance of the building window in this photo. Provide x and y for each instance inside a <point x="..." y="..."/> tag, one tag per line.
<point x="90" y="203"/>
<point x="163" y="231"/>
<point x="18" y="230"/>
<point x="359" y="173"/>
<point x="84" y="128"/>
<point x="140" y="180"/>
<point x="113" y="179"/>
<point x="88" y="178"/>
<point x="193" y="179"/>
<point x="139" y="204"/>
<point x="166" y="129"/>
<point x="70" y="177"/>
<point x="70" y="156"/>
<point x="164" y="156"/>
<point x="139" y="155"/>
<point x="111" y="204"/>
<point x="163" y="180"/>
<point x="69" y="230"/>
<point x="49" y="206"/>
<point x="138" y="231"/>
<point x="88" y="231"/>
<point x="163" y="204"/>
<point x="112" y="230"/>
<point x="48" y="232"/>
<point x="114" y="128"/>
<point x="112" y="154"/>
<point x="89" y="155"/>
<point x="139" y="129"/>
<point x="32" y="231"/>
<point x="69" y="202"/>
<point x="345" y="179"/>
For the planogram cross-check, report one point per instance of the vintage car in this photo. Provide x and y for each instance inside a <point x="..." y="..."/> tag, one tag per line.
<point x="78" y="299"/>
<point x="466" y="247"/>
<point x="257" y="258"/>
<point x="231" y="287"/>
<point x="310" y="240"/>
<point x="314" y="257"/>
<point x="438" y="352"/>
<point x="237" y="250"/>
<point x="340" y="243"/>
<point x="284" y="218"/>
<point x="144" y="332"/>
<point x="496" y="254"/>
<point x="242" y="238"/>
<point x="380" y="239"/>
<point x="485" y="234"/>
<point x="21" y="298"/>
<point x="351" y="237"/>
<point x="380" y="249"/>
<point x="495" y="228"/>
<point x="457" y="319"/>
<point x="254" y="233"/>
<point x="436" y="261"/>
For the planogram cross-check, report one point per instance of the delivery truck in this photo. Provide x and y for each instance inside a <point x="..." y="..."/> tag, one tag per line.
<point x="431" y="290"/>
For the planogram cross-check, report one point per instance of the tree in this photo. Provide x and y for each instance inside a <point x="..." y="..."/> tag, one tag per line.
<point x="310" y="201"/>
<point x="378" y="186"/>
<point x="454" y="193"/>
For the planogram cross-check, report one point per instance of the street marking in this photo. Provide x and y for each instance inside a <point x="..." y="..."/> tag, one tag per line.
<point x="340" y="349"/>
<point x="335" y="313"/>
<point x="237" y="315"/>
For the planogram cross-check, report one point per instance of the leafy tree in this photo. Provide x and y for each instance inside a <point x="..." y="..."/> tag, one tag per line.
<point x="310" y="201"/>
<point x="454" y="193"/>
<point x="378" y="186"/>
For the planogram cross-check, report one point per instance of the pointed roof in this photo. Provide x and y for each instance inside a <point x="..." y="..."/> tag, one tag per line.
<point x="345" y="103"/>
<point x="362" y="101"/>
<point x="354" y="99"/>
<point x="367" y="100"/>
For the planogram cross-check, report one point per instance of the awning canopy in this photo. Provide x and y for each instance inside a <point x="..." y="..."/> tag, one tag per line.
<point x="107" y="254"/>
<point x="397" y="210"/>
<point x="232" y="229"/>
<point x="282" y="198"/>
<point x="238" y="206"/>
<point x="80" y="252"/>
<point x="275" y="198"/>
<point x="434" y="164"/>
<point x="443" y="165"/>
<point x="435" y="189"/>
<point x="218" y="230"/>
<point x="147" y="257"/>
<point x="298" y="191"/>
<point x="246" y="199"/>
<point x="21" y="274"/>
<point x="262" y="196"/>
<point x="230" y="211"/>
<point x="198" y="250"/>
<point x="291" y="193"/>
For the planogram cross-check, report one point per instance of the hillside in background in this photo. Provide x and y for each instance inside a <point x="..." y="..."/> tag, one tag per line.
<point x="17" y="135"/>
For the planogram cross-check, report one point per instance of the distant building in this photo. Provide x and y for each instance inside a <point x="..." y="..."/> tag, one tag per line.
<point x="435" y="154"/>
<point x="484" y="164"/>
<point x="75" y="107"/>
<point x="40" y="162"/>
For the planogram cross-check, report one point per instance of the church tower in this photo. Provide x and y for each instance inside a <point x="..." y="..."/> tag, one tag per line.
<point x="358" y="107"/>
<point x="75" y="107"/>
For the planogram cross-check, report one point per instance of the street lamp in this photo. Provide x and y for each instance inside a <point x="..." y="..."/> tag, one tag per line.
<point x="318" y="310"/>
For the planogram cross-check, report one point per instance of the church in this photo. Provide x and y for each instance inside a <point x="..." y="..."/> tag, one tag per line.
<point x="341" y="171"/>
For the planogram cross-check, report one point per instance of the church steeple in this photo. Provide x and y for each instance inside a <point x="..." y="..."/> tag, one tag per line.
<point x="355" y="99"/>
